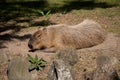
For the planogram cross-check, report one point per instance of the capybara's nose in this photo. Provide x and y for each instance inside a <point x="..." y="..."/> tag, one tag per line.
<point x="30" y="46"/>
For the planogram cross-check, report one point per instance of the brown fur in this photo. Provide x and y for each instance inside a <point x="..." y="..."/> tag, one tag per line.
<point x="86" y="34"/>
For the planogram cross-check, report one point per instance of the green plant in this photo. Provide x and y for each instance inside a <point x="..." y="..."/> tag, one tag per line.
<point x="36" y="63"/>
<point x="45" y="14"/>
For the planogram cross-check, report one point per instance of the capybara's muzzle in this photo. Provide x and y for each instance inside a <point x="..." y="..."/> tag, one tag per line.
<point x="30" y="46"/>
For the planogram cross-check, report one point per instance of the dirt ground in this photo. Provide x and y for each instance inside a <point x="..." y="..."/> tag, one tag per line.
<point x="15" y="43"/>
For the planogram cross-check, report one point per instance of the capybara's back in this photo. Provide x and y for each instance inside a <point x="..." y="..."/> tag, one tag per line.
<point x="86" y="34"/>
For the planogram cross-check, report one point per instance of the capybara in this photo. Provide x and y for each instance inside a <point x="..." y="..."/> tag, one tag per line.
<point x="86" y="34"/>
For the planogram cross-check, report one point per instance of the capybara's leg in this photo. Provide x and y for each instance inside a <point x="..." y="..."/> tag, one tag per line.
<point x="52" y="49"/>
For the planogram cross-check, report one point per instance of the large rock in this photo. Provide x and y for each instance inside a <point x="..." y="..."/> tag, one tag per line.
<point x="18" y="70"/>
<point x="105" y="69"/>
<point x="60" y="71"/>
<point x="68" y="55"/>
<point x="3" y="66"/>
<point x="61" y="68"/>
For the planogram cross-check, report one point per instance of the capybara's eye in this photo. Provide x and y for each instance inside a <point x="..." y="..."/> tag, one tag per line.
<point x="39" y="36"/>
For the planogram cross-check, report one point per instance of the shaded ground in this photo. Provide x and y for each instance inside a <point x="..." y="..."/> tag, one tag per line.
<point x="15" y="9"/>
<point x="15" y="33"/>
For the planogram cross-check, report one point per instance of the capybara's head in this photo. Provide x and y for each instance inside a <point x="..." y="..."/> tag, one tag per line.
<point x="38" y="39"/>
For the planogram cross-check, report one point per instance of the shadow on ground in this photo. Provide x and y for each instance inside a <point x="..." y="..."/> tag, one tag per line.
<point x="17" y="9"/>
<point x="11" y="10"/>
<point x="8" y="37"/>
<point x="2" y="45"/>
<point x="81" y="4"/>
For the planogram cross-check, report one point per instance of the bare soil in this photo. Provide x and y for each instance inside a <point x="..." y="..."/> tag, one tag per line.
<point x="15" y="43"/>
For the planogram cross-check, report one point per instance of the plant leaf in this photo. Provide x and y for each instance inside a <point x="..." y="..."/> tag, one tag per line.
<point x="40" y="68"/>
<point x="43" y="63"/>
<point x="31" y="67"/>
<point x="39" y="62"/>
<point x="36" y="58"/>
<point x="31" y="59"/>
<point x="41" y="12"/>
<point x="48" y="13"/>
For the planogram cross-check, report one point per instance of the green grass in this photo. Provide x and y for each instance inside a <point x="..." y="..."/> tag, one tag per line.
<point x="114" y="29"/>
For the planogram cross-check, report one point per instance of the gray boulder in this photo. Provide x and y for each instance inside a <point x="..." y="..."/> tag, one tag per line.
<point x="18" y="70"/>
<point x="68" y="55"/>
<point x="104" y="70"/>
<point x="61" y="69"/>
<point x="3" y="66"/>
